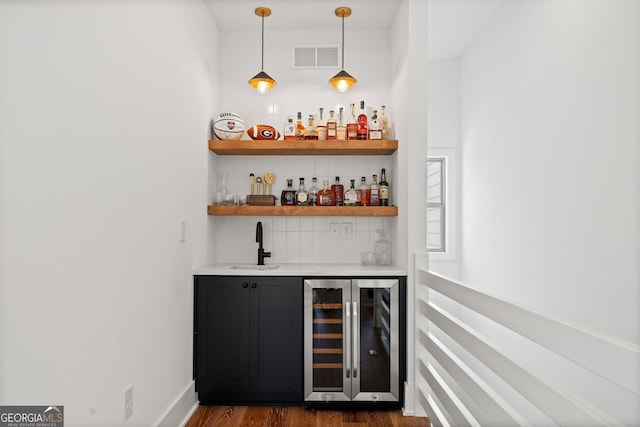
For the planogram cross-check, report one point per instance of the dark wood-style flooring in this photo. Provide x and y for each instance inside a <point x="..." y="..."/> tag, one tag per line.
<point x="298" y="416"/>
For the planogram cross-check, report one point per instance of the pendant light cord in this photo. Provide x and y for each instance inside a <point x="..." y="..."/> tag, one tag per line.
<point x="262" y="65"/>
<point x="343" y="41"/>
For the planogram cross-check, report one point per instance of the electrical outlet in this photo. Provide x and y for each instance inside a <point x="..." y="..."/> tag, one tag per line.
<point x="128" y="401"/>
<point x="347" y="230"/>
<point x="334" y="230"/>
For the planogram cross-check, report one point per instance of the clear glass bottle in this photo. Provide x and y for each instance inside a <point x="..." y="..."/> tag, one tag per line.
<point x="321" y="126"/>
<point x="302" y="195"/>
<point x="383" y="188"/>
<point x="374" y="195"/>
<point x="288" y="196"/>
<point x="352" y="124"/>
<point x="365" y="191"/>
<point x="326" y="196"/>
<point x="363" y="123"/>
<point x="384" y="123"/>
<point x="375" y="133"/>
<point x="338" y="190"/>
<point x="289" y="129"/>
<point x="311" y="131"/>
<point x="352" y="196"/>
<point x="313" y="192"/>
<point x="341" y="130"/>
<point x="383" y="249"/>
<point x="332" y="126"/>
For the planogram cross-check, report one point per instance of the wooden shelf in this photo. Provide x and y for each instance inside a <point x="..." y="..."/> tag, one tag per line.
<point x="303" y="210"/>
<point x="304" y="148"/>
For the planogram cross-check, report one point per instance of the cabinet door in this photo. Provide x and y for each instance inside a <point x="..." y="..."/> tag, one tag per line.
<point x="276" y="337"/>
<point x="222" y="347"/>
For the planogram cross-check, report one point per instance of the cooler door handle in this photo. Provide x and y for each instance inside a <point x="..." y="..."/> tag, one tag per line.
<point x="356" y="339"/>
<point x="347" y="341"/>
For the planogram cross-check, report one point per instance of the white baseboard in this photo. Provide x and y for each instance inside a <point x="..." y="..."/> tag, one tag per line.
<point x="182" y="409"/>
<point x="409" y="408"/>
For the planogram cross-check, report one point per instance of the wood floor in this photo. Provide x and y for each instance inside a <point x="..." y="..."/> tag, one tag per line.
<point x="298" y="416"/>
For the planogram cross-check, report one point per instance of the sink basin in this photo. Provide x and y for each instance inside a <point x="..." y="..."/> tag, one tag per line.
<point x="254" y="267"/>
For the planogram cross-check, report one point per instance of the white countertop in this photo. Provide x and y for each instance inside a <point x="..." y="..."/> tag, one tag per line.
<point x="300" y="270"/>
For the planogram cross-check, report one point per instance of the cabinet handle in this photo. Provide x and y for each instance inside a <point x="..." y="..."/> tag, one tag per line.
<point x="356" y="339"/>
<point x="245" y="285"/>
<point x="347" y="341"/>
<point x="253" y="285"/>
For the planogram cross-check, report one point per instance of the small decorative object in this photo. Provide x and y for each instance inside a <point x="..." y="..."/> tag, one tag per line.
<point x="270" y="178"/>
<point x="228" y="126"/>
<point x="263" y="132"/>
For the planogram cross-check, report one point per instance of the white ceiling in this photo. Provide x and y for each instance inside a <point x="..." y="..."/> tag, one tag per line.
<point x="452" y="24"/>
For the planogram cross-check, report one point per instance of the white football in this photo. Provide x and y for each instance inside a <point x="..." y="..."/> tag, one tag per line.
<point x="228" y="126"/>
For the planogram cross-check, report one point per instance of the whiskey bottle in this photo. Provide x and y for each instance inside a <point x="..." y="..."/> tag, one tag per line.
<point x="352" y="196"/>
<point x="313" y="192"/>
<point x="341" y="130"/>
<point x="311" y="131"/>
<point x="383" y="188"/>
<point x="332" y="126"/>
<point x="384" y="124"/>
<point x="338" y="190"/>
<point x="374" y="195"/>
<point x="299" y="127"/>
<point x="289" y="129"/>
<point x="302" y="195"/>
<point x="352" y="125"/>
<point x="288" y="197"/>
<point x="375" y="133"/>
<point x="365" y="192"/>
<point x="363" y="126"/>
<point x="321" y="126"/>
<point x="326" y="196"/>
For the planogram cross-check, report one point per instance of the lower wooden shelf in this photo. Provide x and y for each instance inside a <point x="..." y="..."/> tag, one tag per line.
<point x="303" y="210"/>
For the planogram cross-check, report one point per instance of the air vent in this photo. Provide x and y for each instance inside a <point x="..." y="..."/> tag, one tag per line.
<point x="309" y="57"/>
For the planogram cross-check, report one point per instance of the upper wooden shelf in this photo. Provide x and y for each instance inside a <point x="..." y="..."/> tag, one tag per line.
<point x="303" y="210"/>
<point x="303" y="147"/>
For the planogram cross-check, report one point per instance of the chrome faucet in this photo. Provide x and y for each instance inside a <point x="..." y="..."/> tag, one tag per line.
<point x="261" y="253"/>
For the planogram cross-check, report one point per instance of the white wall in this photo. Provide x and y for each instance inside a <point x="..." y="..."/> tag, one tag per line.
<point x="443" y="136"/>
<point x="551" y="163"/>
<point x="298" y="239"/>
<point x="103" y="113"/>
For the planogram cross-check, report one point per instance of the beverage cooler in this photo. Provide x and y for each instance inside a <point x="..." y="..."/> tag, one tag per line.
<point x="354" y="346"/>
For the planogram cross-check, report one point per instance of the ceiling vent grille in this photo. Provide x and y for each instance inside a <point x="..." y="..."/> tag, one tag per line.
<point x="310" y="57"/>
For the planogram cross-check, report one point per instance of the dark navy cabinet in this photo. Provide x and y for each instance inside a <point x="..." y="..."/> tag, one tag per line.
<point x="248" y="339"/>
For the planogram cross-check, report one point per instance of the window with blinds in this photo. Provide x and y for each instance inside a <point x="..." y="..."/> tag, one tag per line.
<point x="436" y="241"/>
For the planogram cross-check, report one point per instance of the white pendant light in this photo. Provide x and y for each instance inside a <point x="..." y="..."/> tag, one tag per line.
<point x="343" y="80"/>
<point x="261" y="81"/>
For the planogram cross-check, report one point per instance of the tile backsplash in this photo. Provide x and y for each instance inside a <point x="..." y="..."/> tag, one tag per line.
<point x="295" y="239"/>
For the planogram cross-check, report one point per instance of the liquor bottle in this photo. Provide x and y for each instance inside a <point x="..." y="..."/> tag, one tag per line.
<point x="288" y="197"/>
<point x="352" y="196"/>
<point x="341" y="131"/>
<point x="302" y="195"/>
<point x="375" y="133"/>
<point x="383" y="188"/>
<point x="332" y="126"/>
<point x="289" y="129"/>
<point x="352" y="125"/>
<point x="326" y="196"/>
<point x="338" y="190"/>
<point x="313" y="192"/>
<point x="374" y="195"/>
<point x="321" y="126"/>
<point x="365" y="192"/>
<point x="299" y="127"/>
<point x="384" y="124"/>
<point x="311" y="131"/>
<point x="363" y="125"/>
